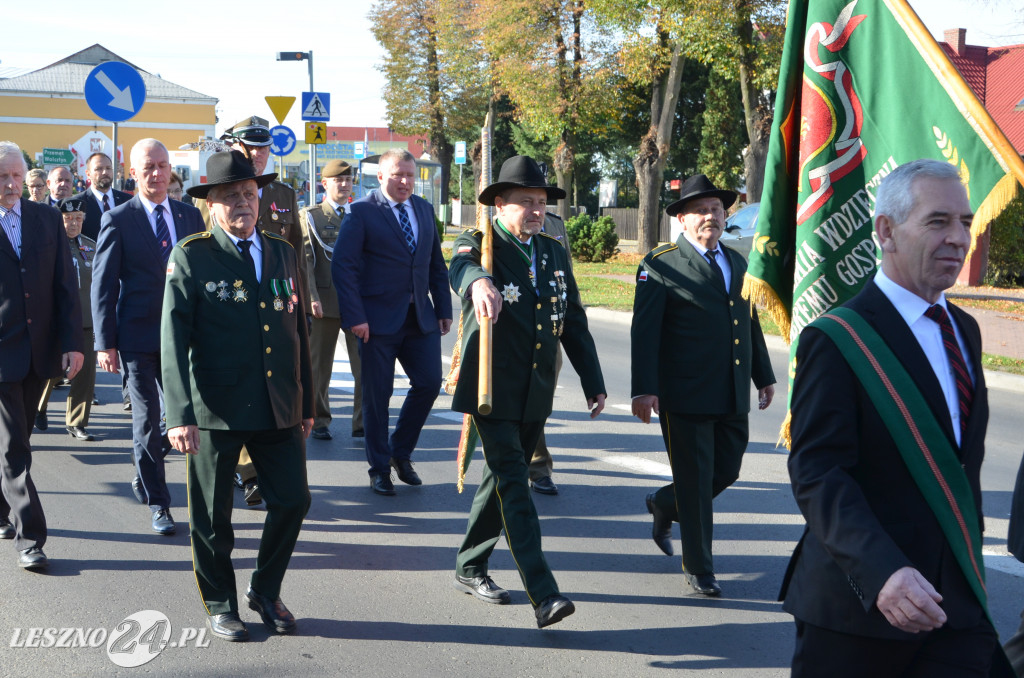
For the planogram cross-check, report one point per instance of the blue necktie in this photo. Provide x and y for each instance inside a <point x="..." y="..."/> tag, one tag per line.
<point x="163" y="235"/>
<point x="403" y="220"/>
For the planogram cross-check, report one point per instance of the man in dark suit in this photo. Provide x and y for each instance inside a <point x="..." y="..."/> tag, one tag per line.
<point x="41" y="338"/>
<point x="888" y="579"/>
<point x="696" y="346"/>
<point x="237" y="372"/>
<point x="386" y="262"/>
<point x="60" y="184"/>
<point x="135" y="242"/>
<point x="279" y="213"/>
<point x="536" y="311"/>
<point x="320" y="225"/>
<point x="80" y="394"/>
<point x="100" y="197"/>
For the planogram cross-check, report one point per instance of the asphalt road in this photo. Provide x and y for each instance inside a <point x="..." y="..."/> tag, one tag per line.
<point x="370" y="581"/>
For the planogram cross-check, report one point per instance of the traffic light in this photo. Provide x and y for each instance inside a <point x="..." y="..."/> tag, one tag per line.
<point x="292" y="56"/>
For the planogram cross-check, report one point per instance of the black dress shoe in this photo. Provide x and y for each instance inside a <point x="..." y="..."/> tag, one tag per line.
<point x="276" y="616"/>
<point x="321" y="433"/>
<point x="252" y="494"/>
<point x="544" y="485"/>
<point x="163" y="523"/>
<point x="127" y="407"/>
<point x="95" y="400"/>
<point x="359" y="433"/>
<point x="137" y="490"/>
<point x="405" y="472"/>
<point x="483" y="588"/>
<point x="662" y="531"/>
<point x="705" y="584"/>
<point x="228" y="626"/>
<point x="553" y="609"/>
<point x="382" y="484"/>
<point x="33" y="559"/>
<point x="239" y="483"/>
<point x="42" y="423"/>
<point x="80" y="433"/>
<point x="7" y="530"/>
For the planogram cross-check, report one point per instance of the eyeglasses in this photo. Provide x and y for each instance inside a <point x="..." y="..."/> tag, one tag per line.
<point x="174" y="192"/>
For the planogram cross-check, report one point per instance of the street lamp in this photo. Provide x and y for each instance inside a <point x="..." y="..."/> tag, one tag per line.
<point x="305" y="56"/>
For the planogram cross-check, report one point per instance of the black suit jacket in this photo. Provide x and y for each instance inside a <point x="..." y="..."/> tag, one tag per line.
<point x="865" y="516"/>
<point x="129" y="275"/>
<point x="375" y="274"/>
<point x="40" y="314"/>
<point x="94" y="211"/>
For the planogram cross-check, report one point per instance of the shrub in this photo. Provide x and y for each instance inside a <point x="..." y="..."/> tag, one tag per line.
<point x="592" y="240"/>
<point x="1006" y="247"/>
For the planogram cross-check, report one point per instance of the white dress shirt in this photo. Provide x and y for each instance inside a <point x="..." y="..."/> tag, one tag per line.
<point x="411" y="213"/>
<point x="168" y="217"/>
<point x="723" y="261"/>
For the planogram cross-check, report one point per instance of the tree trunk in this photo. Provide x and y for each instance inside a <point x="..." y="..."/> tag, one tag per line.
<point x="757" y="114"/>
<point x="440" y="147"/>
<point x="564" y="162"/>
<point x="652" y="154"/>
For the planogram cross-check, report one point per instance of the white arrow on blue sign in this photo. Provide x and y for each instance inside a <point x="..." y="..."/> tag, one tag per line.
<point x="115" y="91"/>
<point x="283" y="140"/>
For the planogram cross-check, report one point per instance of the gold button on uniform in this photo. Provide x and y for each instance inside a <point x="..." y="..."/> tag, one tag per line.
<point x="736" y="341"/>
<point x="266" y="328"/>
<point x="737" y="362"/>
<point x="538" y="327"/>
<point x="735" y="322"/>
<point x="535" y="366"/>
<point x="731" y="303"/>
<point x="263" y="304"/>
<point x="538" y="305"/>
<point x="270" y="373"/>
<point x="538" y="345"/>
<point x="268" y="349"/>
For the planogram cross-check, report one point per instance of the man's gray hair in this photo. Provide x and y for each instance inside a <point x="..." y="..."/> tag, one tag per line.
<point x="9" y="148"/>
<point x="395" y="156"/>
<point x="136" y="153"/>
<point x="895" y="196"/>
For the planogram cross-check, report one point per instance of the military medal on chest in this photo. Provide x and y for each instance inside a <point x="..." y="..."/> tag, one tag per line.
<point x="510" y="293"/>
<point x="277" y="287"/>
<point x="240" y="293"/>
<point x="222" y="290"/>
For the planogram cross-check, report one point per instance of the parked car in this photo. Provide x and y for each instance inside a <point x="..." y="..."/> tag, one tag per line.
<point x="740" y="229"/>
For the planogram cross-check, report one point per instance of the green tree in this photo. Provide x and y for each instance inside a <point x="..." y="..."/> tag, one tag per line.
<point x="723" y="132"/>
<point x="430" y="88"/>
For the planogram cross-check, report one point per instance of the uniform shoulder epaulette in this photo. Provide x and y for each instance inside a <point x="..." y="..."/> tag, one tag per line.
<point x="554" y="216"/>
<point x="548" y="235"/>
<point x="277" y="236"/>
<point x="201" y="235"/>
<point x="472" y="231"/>
<point x="658" y="251"/>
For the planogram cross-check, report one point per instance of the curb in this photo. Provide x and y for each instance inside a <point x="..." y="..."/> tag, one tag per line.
<point x="993" y="378"/>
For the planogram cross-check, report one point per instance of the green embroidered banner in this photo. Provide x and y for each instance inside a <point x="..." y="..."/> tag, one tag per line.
<point x="862" y="89"/>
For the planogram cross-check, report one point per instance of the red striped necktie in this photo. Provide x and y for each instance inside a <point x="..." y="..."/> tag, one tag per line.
<point x="964" y="387"/>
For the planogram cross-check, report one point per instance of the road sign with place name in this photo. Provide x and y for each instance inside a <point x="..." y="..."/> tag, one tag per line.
<point x="115" y="91"/>
<point x="280" y="106"/>
<point x="316" y="133"/>
<point x="460" y="152"/>
<point x="283" y="140"/>
<point x="316" y="106"/>
<point x="58" y="156"/>
<point x="360" y="150"/>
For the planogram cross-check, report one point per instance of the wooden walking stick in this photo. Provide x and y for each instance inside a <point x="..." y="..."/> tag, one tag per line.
<point x="483" y="222"/>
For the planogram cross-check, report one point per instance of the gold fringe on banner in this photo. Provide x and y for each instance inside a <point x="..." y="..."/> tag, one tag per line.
<point x="467" y="445"/>
<point x="785" y="437"/>
<point x="995" y="202"/>
<point x="453" y="374"/>
<point x="761" y="293"/>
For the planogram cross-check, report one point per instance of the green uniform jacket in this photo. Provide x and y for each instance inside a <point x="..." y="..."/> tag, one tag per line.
<point x="83" y="250"/>
<point x="279" y="214"/>
<point x="233" y="357"/>
<point x="318" y="260"/>
<point x="694" y="346"/>
<point x="529" y="327"/>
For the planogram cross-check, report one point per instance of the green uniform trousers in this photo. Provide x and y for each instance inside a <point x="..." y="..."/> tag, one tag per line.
<point x="503" y="501"/>
<point x="323" y="341"/>
<point x="82" y="388"/>
<point x="541" y="464"/>
<point x="705" y="453"/>
<point x="279" y="456"/>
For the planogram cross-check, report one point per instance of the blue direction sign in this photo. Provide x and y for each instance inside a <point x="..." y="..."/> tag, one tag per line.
<point x="316" y="106"/>
<point x="283" y="140"/>
<point x="115" y="91"/>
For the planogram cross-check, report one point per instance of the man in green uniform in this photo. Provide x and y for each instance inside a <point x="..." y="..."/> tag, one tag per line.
<point x="319" y="232"/>
<point x="696" y="346"/>
<point x="236" y="372"/>
<point x="536" y="309"/>
<point x="278" y="214"/>
<point x="80" y="395"/>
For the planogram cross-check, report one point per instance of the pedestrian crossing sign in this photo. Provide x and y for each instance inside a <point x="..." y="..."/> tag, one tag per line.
<point x="316" y="106"/>
<point x="316" y="133"/>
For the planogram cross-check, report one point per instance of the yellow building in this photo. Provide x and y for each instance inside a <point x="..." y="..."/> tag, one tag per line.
<point x="46" y="109"/>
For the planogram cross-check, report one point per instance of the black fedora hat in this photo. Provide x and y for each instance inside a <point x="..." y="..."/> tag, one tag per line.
<point x="228" y="167"/>
<point x="699" y="186"/>
<point x="519" y="171"/>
